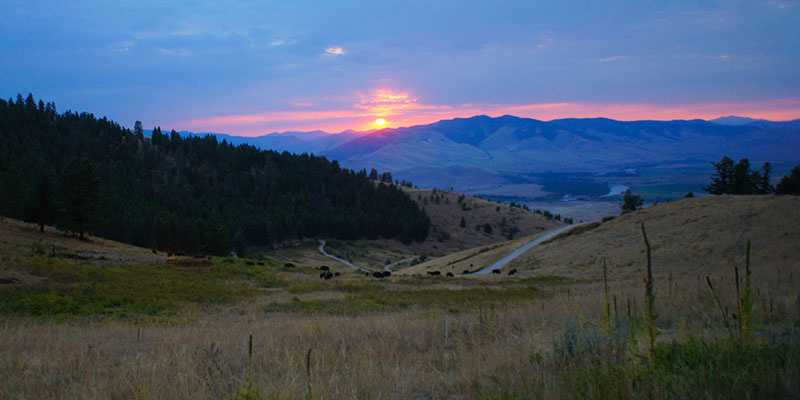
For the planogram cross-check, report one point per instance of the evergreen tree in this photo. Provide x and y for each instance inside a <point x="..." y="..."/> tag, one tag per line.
<point x="743" y="178"/>
<point x="763" y="185"/>
<point x="790" y="184"/>
<point x="630" y="202"/>
<point x="41" y="206"/>
<point x="723" y="180"/>
<point x="80" y="197"/>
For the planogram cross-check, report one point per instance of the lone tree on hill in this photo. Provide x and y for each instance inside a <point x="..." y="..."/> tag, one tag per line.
<point x="80" y="196"/>
<point x="631" y="202"/>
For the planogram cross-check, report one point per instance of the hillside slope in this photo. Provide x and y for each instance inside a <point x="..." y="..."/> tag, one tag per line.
<point x="690" y="237"/>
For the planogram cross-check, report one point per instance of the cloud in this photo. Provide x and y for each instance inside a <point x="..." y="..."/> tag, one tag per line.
<point x="122" y="47"/>
<point x="401" y="108"/>
<point x="614" y="58"/>
<point x="335" y="51"/>
<point x="175" y="52"/>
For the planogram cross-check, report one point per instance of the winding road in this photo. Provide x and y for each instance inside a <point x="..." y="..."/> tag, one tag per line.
<point x="522" y="249"/>
<point x="499" y="264"/>
<point x="349" y="264"/>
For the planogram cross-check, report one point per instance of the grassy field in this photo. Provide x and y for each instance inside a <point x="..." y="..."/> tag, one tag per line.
<point x="80" y="322"/>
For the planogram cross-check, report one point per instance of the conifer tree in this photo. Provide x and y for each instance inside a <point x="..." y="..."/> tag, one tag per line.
<point x="80" y="197"/>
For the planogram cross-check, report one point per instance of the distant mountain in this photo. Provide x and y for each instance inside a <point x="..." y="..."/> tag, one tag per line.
<point x="733" y="120"/>
<point x="481" y="153"/>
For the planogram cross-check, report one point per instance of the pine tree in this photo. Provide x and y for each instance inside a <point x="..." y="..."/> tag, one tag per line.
<point x="41" y="201"/>
<point x="790" y="184"/>
<point x="80" y="197"/>
<point x="722" y="180"/>
<point x="631" y="202"/>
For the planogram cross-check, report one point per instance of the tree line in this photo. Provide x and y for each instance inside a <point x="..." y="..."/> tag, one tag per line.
<point x="739" y="178"/>
<point x="183" y="194"/>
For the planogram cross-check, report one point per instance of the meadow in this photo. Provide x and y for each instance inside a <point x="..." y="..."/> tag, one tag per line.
<point x="78" y="327"/>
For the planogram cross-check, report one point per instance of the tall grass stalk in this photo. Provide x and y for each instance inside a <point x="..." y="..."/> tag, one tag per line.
<point x="747" y="301"/>
<point x="650" y="315"/>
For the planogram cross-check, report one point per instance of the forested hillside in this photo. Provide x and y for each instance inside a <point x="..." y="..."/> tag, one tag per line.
<point x="193" y="195"/>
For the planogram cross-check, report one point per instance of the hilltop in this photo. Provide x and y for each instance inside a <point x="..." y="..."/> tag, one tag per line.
<point x="445" y="209"/>
<point x="690" y="237"/>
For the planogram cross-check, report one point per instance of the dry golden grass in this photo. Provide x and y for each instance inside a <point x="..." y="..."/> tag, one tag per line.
<point x="493" y="350"/>
<point x="690" y="237"/>
<point x="446" y="236"/>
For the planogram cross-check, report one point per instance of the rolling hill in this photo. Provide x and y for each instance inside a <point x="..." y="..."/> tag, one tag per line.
<point x="517" y="157"/>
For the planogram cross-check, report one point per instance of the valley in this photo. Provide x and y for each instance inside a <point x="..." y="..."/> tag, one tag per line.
<point x="110" y="313"/>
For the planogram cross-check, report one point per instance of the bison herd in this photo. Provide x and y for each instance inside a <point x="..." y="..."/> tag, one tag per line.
<point x="326" y="273"/>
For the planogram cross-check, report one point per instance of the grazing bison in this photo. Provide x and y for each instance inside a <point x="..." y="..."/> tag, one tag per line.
<point x="387" y="274"/>
<point x="154" y="251"/>
<point x="434" y="273"/>
<point x="335" y="274"/>
<point x="324" y="268"/>
<point x="249" y="263"/>
<point x="465" y="272"/>
<point x="8" y="281"/>
<point x="326" y="275"/>
<point x="495" y="271"/>
<point x="367" y="274"/>
<point x="377" y="274"/>
<point x="260" y="263"/>
<point x="512" y="272"/>
<point x="288" y="265"/>
<point x="450" y="274"/>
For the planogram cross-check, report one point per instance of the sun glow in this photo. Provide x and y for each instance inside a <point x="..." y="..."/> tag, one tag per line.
<point x="380" y="122"/>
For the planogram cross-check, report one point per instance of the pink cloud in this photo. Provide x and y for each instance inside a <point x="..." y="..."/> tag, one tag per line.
<point x="402" y="109"/>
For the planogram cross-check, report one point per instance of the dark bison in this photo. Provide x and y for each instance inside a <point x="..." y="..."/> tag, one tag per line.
<point x="495" y="271"/>
<point x="465" y="272"/>
<point x="324" y="268"/>
<point x="387" y="274"/>
<point x="249" y="263"/>
<point x="260" y="263"/>
<point x="335" y="274"/>
<point x="450" y="274"/>
<point x="434" y="273"/>
<point x="377" y="274"/>
<point x="288" y="265"/>
<point x="154" y="251"/>
<point x="326" y="275"/>
<point x="512" y="272"/>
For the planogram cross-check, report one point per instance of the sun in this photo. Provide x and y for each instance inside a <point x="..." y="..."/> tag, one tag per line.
<point x="380" y="122"/>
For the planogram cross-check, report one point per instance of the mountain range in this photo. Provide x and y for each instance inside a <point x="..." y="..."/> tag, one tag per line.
<point x="481" y="154"/>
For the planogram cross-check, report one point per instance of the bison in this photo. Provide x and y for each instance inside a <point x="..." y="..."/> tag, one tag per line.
<point x="324" y="268"/>
<point x="512" y="272"/>
<point x="450" y="274"/>
<point x="249" y="263"/>
<point x="387" y="274"/>
<point x="495" y="271"/>
<point x="377" y="274"/>
<point x="326" y="275"/>
<point x="434" y="273"/>
<point x="465" y="272"/>
<point x="288" y="265"/>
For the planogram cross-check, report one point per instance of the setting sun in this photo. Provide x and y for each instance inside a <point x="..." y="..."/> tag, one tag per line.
<point x="380" y="122"/>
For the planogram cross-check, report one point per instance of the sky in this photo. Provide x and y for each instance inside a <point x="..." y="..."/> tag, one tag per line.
<point x="254" y="67"/>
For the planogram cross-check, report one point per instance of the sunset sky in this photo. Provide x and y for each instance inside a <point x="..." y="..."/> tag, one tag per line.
<point x="251" y="68"/>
